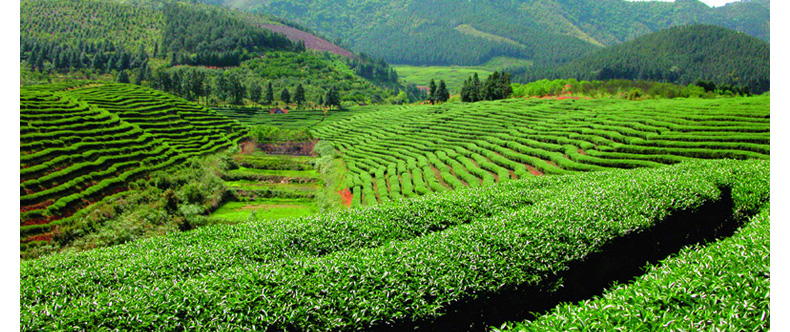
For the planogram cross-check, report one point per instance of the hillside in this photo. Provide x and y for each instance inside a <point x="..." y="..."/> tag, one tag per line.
<point x="407" y="151"/>
<point x="462" y="261"/>
<point x="151" y="41"/>
<point x="679" y="55"/>
<point x="83" y="143"/>
<point x="473" y="32"/>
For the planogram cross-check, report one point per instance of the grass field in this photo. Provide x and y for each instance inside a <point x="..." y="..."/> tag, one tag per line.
<point x="454" y="76"/>
<point x="266" y="209"/>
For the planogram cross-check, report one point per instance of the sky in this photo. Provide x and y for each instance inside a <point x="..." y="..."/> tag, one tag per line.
<point x="712" y="3"/>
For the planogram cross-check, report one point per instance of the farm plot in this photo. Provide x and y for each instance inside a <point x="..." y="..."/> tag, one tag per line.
<point x="446" y="262"/>
<point x="415" y="150"/>
<point x="271" y="187"/>
<point x="83" y="144"/>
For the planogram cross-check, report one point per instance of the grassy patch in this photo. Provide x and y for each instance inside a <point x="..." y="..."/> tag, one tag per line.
<point x="453" y="76"/>
<point x="266" y="209"/>
<point x="308" y="174"/>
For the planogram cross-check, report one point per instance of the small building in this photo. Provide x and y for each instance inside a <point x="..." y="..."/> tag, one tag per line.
<point x="278" y="110"/>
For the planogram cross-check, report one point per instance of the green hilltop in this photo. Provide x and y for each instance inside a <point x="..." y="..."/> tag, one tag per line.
<point x="146" y="42"/>
<point x="473" y="32"/>
<point x="680" y="55"/>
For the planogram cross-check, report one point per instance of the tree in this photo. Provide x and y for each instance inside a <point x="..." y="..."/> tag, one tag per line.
<point x="140" y="75"/>
<point x="285" y="96"/>
<point x="476" y="92"/>
<point x="442" y="95"/>
<point x="123" y="77"/>
<point x="299" y="97"/>
<point x="255" y="92"/>
<point x="268" y="97"/>
<point x="465" y="91"/>
<point x="332" y="98"/>
<point x="236" y="89"/>
<point x="432" y="91"/>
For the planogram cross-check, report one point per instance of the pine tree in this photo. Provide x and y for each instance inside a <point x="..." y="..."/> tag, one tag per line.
<point x="269" y="96"/>
<point x="299" y="97"/>
<point x="123" y="77"/>
<point x="332" y="98"/>
<point x="476" y="92"/>
<point x="285" y="96"/>
<point x="255" y="92"/>
<point x="442" y="95"/>
<point x="432" y="92"/>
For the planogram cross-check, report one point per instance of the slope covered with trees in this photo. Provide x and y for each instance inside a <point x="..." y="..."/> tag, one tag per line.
<point x="472" y="32"/>
<point x="681" y="55"/>
<point x="190" y="49"/>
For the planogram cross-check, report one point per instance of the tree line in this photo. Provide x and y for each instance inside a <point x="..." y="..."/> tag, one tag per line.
<point x="217" y="87"/>
<point x="496" y="86"/>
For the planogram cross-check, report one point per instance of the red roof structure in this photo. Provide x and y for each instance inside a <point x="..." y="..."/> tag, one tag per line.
<point x="278" y="110"/>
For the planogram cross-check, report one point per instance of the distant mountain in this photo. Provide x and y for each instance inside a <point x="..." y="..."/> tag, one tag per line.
<point x="442" y="32"/>
<point x="680" y="55"/>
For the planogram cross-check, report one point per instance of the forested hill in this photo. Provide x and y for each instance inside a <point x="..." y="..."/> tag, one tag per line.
<point x="441" y="32"/>
<point x="169" y="44"/>
<point x="680" y="55"/>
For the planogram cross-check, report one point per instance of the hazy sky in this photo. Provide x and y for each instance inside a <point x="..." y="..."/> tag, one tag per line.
<point x="712" y="3"/>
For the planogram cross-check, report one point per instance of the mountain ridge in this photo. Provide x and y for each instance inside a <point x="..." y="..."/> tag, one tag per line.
<point x="391" y="29"/>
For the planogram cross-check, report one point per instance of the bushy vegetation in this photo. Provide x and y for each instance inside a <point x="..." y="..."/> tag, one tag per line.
<point x="166" y="201"/>
<point x="625" y="89"/>
<point x="393" y="266"/>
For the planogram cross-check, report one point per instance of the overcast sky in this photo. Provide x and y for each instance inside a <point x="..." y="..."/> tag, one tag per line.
<point x="712" y="3"/>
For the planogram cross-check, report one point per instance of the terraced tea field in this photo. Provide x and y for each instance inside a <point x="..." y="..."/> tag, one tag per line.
<point x="295" y="119"/>
<point x="416" y="150"/>
<point x="465" y="260"/>
<point x="271" y="187"/>
<point x="81" y="144"/>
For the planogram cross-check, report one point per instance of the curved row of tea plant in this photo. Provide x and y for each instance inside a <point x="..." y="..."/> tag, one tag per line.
<point x="82" y="142"/>
<point x="389" y="266"/>
<point x="457" y="145"/>
<point x="699" y="289"/>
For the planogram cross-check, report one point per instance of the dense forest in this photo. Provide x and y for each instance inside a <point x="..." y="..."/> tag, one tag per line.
<point x="443" y="32"/>
<point x="192" y="50"/>
<point x="679" y="55"/>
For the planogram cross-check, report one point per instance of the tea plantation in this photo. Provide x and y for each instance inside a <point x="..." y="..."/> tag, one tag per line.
<point x="83" y="142"/>
<point x="409" y="151"/>
<point x="464" y="260"/>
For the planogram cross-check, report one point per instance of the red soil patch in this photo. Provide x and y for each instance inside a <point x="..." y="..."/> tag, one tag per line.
<point x="554" y="97"/>
<point x="247" y="147"/>
<point x="46" y="237"/>
<point x="552" y="163"/>
<point x="42" y="205"/>
<point x="534" y="170"/>
<point x="347" y="197"/>
<point x="582" y="152"/>
<point x="310" y="41"/>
